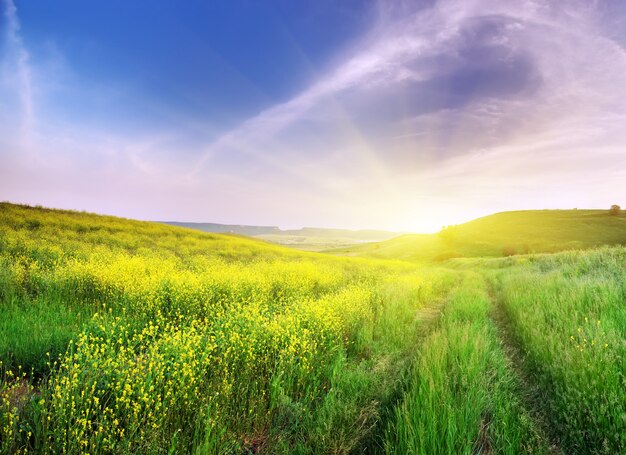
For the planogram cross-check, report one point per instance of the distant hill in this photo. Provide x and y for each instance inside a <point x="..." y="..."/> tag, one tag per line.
<point x="363" y="234"/>
<point x="503" y="234"/>
<point x="227" y="228"/>
<point x="307" y="238"/>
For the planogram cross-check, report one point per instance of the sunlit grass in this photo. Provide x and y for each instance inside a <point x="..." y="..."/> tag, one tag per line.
<point x="119" y="336"/>
<point x="463" y="397"/>
<point x="568" y="315"/>
<point x="149" y="343"/>
<point x="504" y="234"/>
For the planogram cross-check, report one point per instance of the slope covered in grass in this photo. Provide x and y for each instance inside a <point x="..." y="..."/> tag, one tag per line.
<point x="119" y="336"/>
<point x="503" y="234"/>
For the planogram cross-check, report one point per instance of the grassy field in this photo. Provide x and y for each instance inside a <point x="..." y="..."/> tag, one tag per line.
<point x="463" y="396"/>
<point x="119" y="336"/>
<point x="503" y="234"/>
<point x="149" y="338"/>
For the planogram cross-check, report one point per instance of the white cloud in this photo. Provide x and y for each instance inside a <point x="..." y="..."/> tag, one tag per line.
<point x="17" y="73"/>
<point x="563" y="135"/>
<point x="563" y="47"/>
<point x="405" y="123"/>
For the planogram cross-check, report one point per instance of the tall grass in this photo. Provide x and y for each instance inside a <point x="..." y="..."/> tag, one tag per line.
<point x="119" y="336"/>
<point x="568" y="315"/>
<point x="156" y="339"/>
<point x="463" y="397"/>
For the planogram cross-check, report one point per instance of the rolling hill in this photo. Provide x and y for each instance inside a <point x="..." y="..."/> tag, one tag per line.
<point x="504" y="234"/>
<point x="121" y="336"/>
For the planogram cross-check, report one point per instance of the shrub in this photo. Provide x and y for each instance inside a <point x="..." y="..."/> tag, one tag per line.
<point x="509" y="251"/>
<point x="447" y="255"/>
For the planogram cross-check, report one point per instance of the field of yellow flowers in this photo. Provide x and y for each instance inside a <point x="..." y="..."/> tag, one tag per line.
<point x="119" y="336"/>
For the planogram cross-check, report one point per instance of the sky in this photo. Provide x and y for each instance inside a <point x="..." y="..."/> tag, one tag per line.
<point x="398" y="115"/>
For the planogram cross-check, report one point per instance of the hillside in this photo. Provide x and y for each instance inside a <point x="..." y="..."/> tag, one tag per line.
<point x="27" y="229"/>
<point x="502" y="234"/>
<point x="120" y="336"/>
<point x="166" y="337"/>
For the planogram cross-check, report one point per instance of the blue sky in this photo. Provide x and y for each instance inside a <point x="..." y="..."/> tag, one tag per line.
<point x="374" y="114"/>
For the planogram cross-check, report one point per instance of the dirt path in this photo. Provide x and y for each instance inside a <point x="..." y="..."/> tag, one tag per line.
<point x="530" y="393"/>
<point x="427" y="318"/>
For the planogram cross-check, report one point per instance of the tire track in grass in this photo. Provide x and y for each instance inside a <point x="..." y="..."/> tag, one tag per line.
<point x="565" y="314"/>
<point x="462" y="397"/>
<point x="530" y="392"/>
<point x="426" y="319"/>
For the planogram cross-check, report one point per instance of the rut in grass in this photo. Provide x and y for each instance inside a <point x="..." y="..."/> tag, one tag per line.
<point x="566" y="313"/>
<point x="426" y="319"/>
<point x="462" y="397"/>
<point x="529" y="391"/>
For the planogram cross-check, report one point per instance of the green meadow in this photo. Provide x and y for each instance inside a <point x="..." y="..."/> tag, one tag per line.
<point x="504" y="335"/>
<point x="504" y="234"/>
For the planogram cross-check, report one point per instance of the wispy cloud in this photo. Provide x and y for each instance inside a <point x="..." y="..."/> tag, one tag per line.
<point x="484" y="104"/>
<point x="454" y="78"/>
<point x="16" y="70"/>
<point x="415" y="54"/>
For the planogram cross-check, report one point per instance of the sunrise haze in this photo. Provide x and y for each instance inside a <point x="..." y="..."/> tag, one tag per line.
<point x="405" y="116"/>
